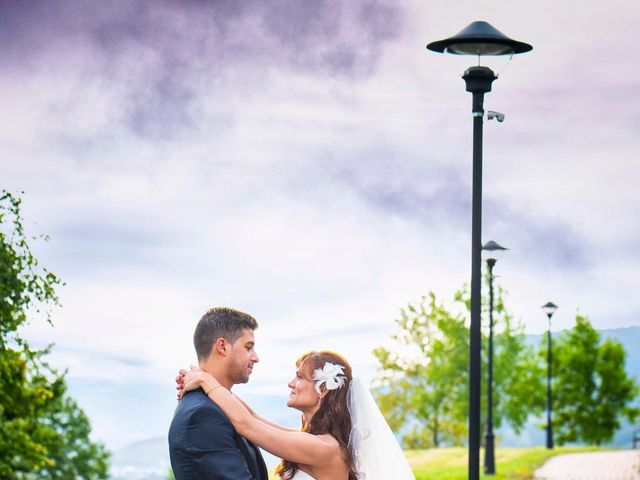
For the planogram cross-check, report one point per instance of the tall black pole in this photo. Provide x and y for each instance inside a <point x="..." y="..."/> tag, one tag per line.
<point x="549" y="402"/>
<point x="489" y="450"/>
<point x="478" y="81"/>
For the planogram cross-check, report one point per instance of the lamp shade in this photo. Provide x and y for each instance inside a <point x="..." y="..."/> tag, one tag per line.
<point x="549" y="308"/>
<point x="493" y="250"/>
<point x="479" y="38"/>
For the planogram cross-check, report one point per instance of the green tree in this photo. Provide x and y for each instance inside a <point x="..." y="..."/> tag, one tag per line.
<point x="43" y="433"/>
<point x="518" y="389"/>
<point x="591" y="389"/>
<point x="423" y="389"/>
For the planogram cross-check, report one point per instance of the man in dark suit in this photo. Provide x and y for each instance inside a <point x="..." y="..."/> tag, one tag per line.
<point x="203" y="444"/>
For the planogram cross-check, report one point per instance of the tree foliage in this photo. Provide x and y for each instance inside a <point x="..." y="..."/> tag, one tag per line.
<point x="422" y="390"/>
<point x="423" y="387"/>
<point x="591" y="389"/>
<point x="43" y="432"/>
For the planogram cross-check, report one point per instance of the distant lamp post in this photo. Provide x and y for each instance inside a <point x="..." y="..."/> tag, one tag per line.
<point x="494" y="252"/>
<point x="549" y="308"/>
<point x="477" y="39"/>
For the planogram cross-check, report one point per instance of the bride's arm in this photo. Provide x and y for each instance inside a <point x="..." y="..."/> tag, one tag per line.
<point x="265" y="420"/>
<point x="295" y="446"/>
<point x="180" y="386"/>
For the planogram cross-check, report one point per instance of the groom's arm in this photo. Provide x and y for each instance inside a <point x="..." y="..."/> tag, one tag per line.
<point x="211" y="441"/>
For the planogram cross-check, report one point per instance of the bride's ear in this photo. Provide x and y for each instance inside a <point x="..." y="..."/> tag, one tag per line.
<point x="323" y="392"/>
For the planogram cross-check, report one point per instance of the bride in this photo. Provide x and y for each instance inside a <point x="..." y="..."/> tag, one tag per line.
<point x="343" y="434"/>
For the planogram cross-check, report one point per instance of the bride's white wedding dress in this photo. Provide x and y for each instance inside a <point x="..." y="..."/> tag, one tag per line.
<point x="300" y="475"/>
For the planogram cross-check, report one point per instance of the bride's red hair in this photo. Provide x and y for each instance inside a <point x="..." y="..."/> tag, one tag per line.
<point x="333" y="415"/>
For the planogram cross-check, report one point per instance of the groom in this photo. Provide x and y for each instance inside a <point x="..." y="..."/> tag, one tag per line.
<point x="203" y="444"/>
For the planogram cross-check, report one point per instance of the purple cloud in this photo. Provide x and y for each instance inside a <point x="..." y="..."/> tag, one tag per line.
<point x="165" y="54"/>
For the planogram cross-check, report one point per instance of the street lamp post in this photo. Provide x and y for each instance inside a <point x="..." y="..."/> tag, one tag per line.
<point x="549" y="308"/>
<point x="494" y="250"/>
<point x="477" y="39"/>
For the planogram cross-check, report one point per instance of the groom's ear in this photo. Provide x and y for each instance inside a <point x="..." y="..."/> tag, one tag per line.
<point x="220" y="346"/>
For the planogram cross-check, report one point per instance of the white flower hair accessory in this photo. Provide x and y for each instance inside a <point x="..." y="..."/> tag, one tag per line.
<point x="331" y="375"/>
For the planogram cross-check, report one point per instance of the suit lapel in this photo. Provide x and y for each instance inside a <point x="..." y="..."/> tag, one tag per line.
<point x="254" y="459"/>
<point x="261" y="465"/>
<point x="251" y="453"/>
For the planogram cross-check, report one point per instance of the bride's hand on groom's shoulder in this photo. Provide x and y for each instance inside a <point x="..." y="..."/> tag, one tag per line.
<point x="192" y="379"/>
<point x="187" y="380"/>
<point x="180" y="382"/>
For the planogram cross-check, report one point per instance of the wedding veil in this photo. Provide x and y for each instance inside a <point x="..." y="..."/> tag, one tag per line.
<point x="376" y="451"/>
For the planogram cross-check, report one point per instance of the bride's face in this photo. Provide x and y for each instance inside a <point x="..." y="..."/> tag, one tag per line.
<point x="303" y="395"/>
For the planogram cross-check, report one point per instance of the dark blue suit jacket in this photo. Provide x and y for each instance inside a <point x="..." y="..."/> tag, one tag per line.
<point x="203" y="444"/>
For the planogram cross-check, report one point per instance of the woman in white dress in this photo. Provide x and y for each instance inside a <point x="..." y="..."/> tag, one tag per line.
<point x="343" y="434"/>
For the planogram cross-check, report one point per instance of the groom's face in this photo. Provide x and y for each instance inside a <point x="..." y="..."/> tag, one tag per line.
<point x="242" y="357"/>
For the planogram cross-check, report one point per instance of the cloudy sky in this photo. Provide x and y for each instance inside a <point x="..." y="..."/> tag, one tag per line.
<point x="308" y="162"/>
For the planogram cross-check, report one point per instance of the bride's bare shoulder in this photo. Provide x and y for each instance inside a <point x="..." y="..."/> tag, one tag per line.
<point x="329" y="440"/>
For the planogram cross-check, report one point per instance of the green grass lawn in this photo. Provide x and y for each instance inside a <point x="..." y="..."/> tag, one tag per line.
<point x="511" y="463"/>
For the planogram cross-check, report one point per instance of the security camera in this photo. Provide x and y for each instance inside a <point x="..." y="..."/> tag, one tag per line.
<point x="497" y="115"/>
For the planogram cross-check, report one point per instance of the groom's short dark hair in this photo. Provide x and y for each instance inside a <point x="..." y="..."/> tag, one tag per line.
<point x="220" y="322"/>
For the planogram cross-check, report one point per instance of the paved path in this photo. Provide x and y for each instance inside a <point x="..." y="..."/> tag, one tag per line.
<point x="614" y="465"/>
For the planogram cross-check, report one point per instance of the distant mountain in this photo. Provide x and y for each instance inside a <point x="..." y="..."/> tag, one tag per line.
<point x="534" y="434"/>
<point x="145" y="460"/>
<point x="149" y="459"/>
<point x="629" y="337"/>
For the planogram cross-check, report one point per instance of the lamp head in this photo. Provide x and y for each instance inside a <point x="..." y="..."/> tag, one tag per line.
<point x="493" y="251"/>
<point x="549" y="308"/>
<point x="479" y="38"/>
